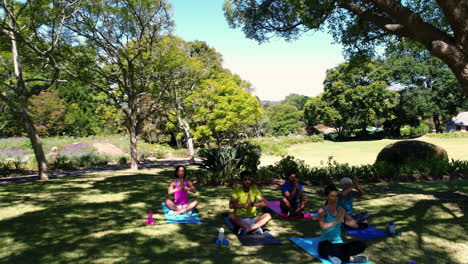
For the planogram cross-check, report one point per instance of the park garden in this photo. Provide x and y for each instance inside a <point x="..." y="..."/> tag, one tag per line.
<point x="106" y="89"/>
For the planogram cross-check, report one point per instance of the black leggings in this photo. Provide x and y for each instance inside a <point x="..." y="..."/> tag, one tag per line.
<point x="342" y="251"/>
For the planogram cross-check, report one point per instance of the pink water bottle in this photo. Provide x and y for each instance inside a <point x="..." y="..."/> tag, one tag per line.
<point x="150" y="220"/>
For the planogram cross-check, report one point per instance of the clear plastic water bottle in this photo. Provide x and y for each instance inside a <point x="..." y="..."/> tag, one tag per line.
<point x="391" y="227"/>
<point x="221" y="235"/>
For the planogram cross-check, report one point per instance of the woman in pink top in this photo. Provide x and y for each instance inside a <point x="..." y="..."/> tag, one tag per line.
<point x="180" y="188"/>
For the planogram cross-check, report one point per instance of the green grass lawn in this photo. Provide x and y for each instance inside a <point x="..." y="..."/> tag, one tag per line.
<point x="361" y="152"/>
<point x="99" y="218"/>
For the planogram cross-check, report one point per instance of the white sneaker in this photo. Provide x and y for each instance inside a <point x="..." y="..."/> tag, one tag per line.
<point x="334" y="260"/>
<point x="360" y="259"/>
<point x="171" y="212"/>
<point x="189" y="212"/>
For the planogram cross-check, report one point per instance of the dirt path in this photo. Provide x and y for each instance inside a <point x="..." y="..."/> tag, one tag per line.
<point x="54" y="175"/>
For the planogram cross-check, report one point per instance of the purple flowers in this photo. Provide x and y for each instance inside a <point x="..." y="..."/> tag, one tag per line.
<point x="13" y="153"/>
<point x="76" y="149"/>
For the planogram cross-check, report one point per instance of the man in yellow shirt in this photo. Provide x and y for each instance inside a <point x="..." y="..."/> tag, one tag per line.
<point x="245" y="201"/>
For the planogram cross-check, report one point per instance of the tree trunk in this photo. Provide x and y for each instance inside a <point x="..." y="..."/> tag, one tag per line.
<point x="176" y="140"/>
<point x="437" y="124"/>
<point x="22" y="112"/>
<point x="186" y="127"/>
<point x="133" y="147"/>
<point x="35" y="141"/>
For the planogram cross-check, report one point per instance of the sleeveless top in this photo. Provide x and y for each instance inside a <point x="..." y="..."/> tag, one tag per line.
<point x="332" y="234"/>
<point x="347" y="202"/>
<point x="180" y="197"/>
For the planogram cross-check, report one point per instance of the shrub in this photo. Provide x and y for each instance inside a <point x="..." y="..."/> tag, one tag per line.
<point x="448" y="135"/>
<point x="181" y="152"/>
<point x="410" y="131"/>
<point x="333" y="171"/>
<point x="160" y="151"/>
<point x="226" y="163"/>
<point x="123" y="160"/>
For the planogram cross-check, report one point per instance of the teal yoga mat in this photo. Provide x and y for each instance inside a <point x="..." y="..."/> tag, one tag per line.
<point x="181" y="219"/>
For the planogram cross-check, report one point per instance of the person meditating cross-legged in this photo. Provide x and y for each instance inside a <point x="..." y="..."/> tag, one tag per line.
<point x="180" y="188"/>
<point x="293" y="201"/>
<point x="331" y="245"/>
<point x="245" y="201"/>
<point x="346" y="197"/>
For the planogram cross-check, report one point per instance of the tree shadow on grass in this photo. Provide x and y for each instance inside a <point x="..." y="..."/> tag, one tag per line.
<point x="99" y="218"/>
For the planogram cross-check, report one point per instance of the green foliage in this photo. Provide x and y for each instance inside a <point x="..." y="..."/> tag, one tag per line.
<point x="448" y="135"/>
<point x="354" y="96"/>
<point x="160" y="151"/>
<point x="333" y="171"/>
<point x="226" y="163"/>
<point x="262" y="19"/>
<point x="123" y="160"/>
<point x="278" y="145"/>
<point x="89" y="160"/>
<point x="296" y="100"/>
<point x="410" y="131"/>
<point x="47" y="112"/>
<point x="10" y="126"/>
<point x="283" y="120"/>
<point x="223" y="109"/>
<point x="430" y="88"/>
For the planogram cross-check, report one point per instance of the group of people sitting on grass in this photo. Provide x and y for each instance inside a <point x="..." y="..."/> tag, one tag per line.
<point x="333" y="216"/>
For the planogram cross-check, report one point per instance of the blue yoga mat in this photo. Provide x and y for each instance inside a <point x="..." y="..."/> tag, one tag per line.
<point x="366" y="233"/>
<point x="310" y="245"/>
<point x="369" y="232"/>
<point x="181" y="219"/>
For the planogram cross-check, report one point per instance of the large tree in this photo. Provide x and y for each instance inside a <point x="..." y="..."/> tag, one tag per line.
<point x="430" y="88"/>
<point x="354" y="96"/>
<point x="283" y="120"/>
<point x="224" y="109"/>
<point x="183" y="66"/>
<point x="296" y="100"/>
<point x="125" y="35"/>
<point x="30" y="39"/>
<point x="441" y="26"/>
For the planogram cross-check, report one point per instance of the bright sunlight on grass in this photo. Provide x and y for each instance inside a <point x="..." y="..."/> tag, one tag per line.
<point x="99" y="218"/>
<point x="361" y="152"/>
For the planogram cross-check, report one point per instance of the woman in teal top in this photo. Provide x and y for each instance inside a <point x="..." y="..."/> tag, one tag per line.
<point x="331" y="245"/>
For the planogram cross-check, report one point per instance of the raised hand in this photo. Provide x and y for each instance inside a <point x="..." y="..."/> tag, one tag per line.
<point x="355" y="182"/>
<point x="341" y="215"/>
<point x="249" y="200"/>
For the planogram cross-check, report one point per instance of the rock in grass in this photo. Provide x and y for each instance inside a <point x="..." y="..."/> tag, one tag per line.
<point x="406" y="151"/>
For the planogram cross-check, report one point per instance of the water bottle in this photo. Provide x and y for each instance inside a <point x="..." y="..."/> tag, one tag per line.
<point x="221" y="235"/>
<point x="391" y="227"/>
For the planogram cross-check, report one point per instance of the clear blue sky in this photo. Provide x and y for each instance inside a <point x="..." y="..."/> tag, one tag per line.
<point x="276" y="68"/>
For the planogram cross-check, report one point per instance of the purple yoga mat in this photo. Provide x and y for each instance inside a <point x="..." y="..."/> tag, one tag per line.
<point x="275" y="206"/>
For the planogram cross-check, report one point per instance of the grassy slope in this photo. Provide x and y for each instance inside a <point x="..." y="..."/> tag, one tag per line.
<point x="361" y="152"/>
<point x="99" y="218"/>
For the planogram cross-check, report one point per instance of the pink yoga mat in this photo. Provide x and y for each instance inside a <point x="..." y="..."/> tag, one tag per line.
<point x="275" y="206"/>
